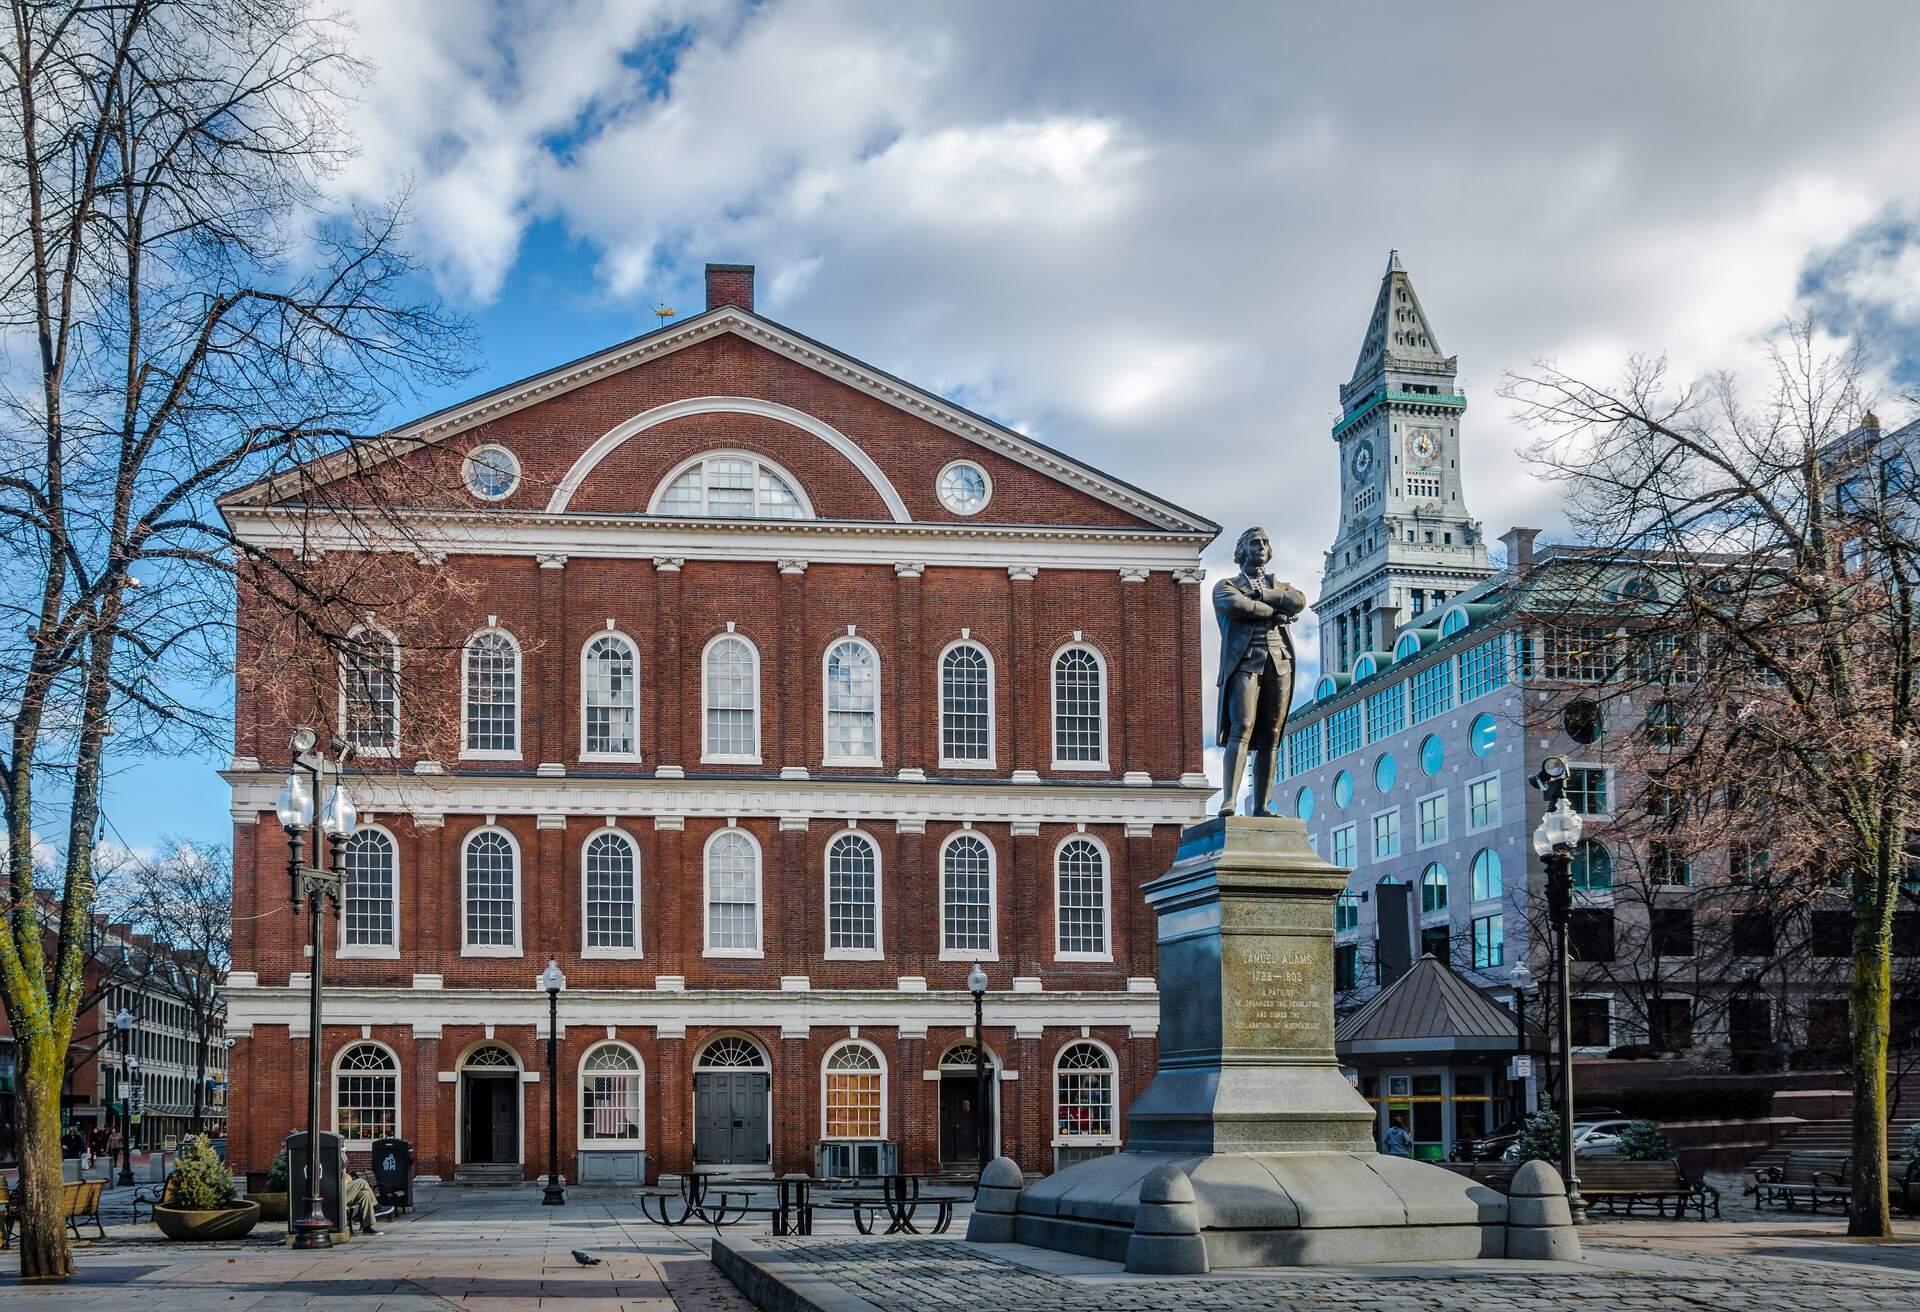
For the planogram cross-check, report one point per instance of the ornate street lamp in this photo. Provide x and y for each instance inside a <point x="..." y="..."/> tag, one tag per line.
<point x="553" y="979"/>
<point x="318" y="883"/>
<point x="1554" y="843"/>
<point x="977" y="985"/>
<point x="123" y="1023"/>
<point x="1521" y="980"/>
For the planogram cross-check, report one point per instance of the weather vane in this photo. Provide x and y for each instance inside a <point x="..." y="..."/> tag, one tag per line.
<point x="664" y="312"/>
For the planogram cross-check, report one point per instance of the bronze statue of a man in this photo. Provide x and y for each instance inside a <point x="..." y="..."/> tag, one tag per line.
<point x="1256" y="667"/>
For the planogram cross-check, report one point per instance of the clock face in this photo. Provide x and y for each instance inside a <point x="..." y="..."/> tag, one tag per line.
<point x="1424" y="445"/>
<point x="1362" y="459"/>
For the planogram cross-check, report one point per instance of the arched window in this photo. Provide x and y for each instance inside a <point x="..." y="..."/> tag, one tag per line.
<point x="733" y="895"/>
<point x="731" y="485"/>
<point x="966" y="706"/>
<point x="1080" y="907"/>
<point x="366" y="1094"/>
<point x="853" y="897"/>
<point x="1408" y="645"/>
<point x="1454" y="621"/>
<point x="1083" y="1080"/>
<point x="612" y="1111"/>
<point x="1079" y="709"/>
<point x="1346" y="911"/>
<point x="966" y="898"/>
<point x="368" y="907"/>
<point x="492" y="695"/>
<point x="856" y="1085"/>
<point x="853" y="703"/>
<point x="1487" y="882"/>
<point x="491" y="889"/>
<point x="1365" y="667"/>
<point x="1592" y="865"/>
<point x="730" y="686"/>
<point x="1433" y="888"/>
<point x="370" y="692"/>
<point x="612" y="895"/>
<point x="609" y="698"/>
<point x="731" y="1052"/>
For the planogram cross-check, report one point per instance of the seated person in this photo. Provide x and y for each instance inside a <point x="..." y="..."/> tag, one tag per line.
<point x="360" y="1204"/>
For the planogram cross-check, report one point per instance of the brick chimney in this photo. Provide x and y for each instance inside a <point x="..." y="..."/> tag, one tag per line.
<point x="1519" y="545"/>
<point x="730" y="284"/>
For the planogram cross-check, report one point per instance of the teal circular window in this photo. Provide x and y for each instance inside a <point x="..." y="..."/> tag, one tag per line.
<point x="1342" y="789"/>
<point x="1385" y="772"/>
<point x="1303" y="803"/>
<point x="1433" y="754"/>
<point x="1483" y="734"/>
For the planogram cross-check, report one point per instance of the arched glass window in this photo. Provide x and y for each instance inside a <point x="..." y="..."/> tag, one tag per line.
<point x="492" y="888"/>
<point x="853" y="702"/>
<point x="731" y="486"/>
<point x="731" y="1052"/>
<point x="1080" y="870"/>
<point x="966" y="706"/>
<point x="856" y="1083"/>
<point x="609" y="697"/>
<point x="1083" y="1080"/>
<point x="853" y="897"/>
<point x="1364" y="668"/>
<point x="370" y="692"/>
<point x="733" y="895"/>
<point x="493" y="695"/>
<point x="1433" y="888"/>
<point x="1592" y="865"/>
<point x="1408" y="645"/>
<point x="1487" y="882"/>
<point x="731" y="683"/>
<point x="366" y="1094"/>
<point x="1079" y="709"/>
<point x="612" y="901"/>
<point x="611" y="1108"/>
<point x="966" y="897"/>
<point x="1346" y="911"/>
<point x="367" y="911"/>
<point x="1454" y="621"/>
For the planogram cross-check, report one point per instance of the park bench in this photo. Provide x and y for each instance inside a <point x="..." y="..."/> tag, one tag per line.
<point x="1903" y="1185"/>
<point x="1618" y="1184"/>
<point x="80" y="1201"/>
<point x="1812" y="1178"/>
<point x="899" y="1198"/>
<point x="713" y="1201"/>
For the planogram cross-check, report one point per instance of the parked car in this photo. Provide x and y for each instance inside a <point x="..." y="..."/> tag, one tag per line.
<point x="1493" y="1147"/>
<point x="1593" y="1136"/>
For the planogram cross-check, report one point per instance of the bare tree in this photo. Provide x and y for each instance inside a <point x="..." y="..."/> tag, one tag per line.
<point x="1771" y="537"/>
<point x="183" y="903"/>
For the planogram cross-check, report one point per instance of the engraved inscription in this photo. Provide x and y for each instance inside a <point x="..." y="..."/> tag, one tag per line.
<point x="1280" y="997"/>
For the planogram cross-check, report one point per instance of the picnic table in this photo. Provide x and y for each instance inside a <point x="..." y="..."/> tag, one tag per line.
<point x="720" y="1199"/>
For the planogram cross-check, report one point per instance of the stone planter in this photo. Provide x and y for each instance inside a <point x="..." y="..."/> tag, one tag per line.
<point x="234" y="1221"/>
<point x="273" y="1207"/>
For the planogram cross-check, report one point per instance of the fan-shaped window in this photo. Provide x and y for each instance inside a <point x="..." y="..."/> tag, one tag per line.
<point x="492" y="891"/>
<point x="368" y="908"/>
<point x="731" y="486"/>
<point x="366" y="1094"/>
<point x="1592" y="865"/>
<point x="731" y="691"/>
<point x="612" y="902"/>
<point x="733" y="895"/>
<point x="853" y="703"/>
<point x="1081" y="905"/>
<point x="1079" y="709"/>
<point x="731" y="1052"/>
<point x="966" y="897"/>
<point x="1364" y="668"/>
<point x="1433" y="888"/>
<point x="855" y="1093"/>
<point x="370" y="692"/>
<point x="853" y="897"/>
<point x="1487" y="881"/>
<point x="1083" y="1092"/>
<point x="492" y="695"/>
<point x="966" y="706"/>
<point x="611" y="1109"/>
<point x="490" y="1058"/>
<point x="1325" y="688"/>
<point x="1454" y="621"/>
<point x="609" y="697"/>
<point x="1409" y="645"/>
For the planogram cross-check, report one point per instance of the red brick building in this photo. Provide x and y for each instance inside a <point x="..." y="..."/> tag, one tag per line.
<point x="790" y="691"/>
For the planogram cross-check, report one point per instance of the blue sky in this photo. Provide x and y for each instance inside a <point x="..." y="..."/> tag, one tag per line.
<point x="1141" y="232"/>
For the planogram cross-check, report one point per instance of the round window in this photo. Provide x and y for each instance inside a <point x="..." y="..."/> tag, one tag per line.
<point x="1342" y="789"/>
<point x="1385" y="772"/>
<point x="1484" y="733"/>
<point x="1433" y="754"/>
<point x="491" y="472"/>
<point x="964" y="488"/>
<point x="1303" y="803"/>
<point x="1583" y="721"/>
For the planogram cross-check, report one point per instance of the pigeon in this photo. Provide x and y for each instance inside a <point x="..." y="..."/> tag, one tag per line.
<point x="585" y="1259"/>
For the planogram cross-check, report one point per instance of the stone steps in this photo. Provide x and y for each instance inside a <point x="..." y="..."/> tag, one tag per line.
<point x="489" y="1174"/>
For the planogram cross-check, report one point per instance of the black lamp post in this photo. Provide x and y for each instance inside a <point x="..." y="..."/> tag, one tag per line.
<point x="319" y="886"/>
<point x="552" y="979"/>
<point x="1554" y="843"/>
<point x="122" y="1024"/>
<point x="1520" y="979"/>
<point x="977" y="985"/>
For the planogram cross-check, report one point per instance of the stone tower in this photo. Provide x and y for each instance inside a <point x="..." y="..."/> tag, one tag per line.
<point x="1405" y="542"/>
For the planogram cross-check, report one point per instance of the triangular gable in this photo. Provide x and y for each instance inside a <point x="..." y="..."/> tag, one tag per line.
<point x="1418" y="340"/>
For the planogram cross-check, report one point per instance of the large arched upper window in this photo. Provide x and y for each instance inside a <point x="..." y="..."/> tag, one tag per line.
<point x="366" y="1094"/>
<point x="490" y="890"/>
<point x="733" y="895"/>
<point x="732" y="485"/>
<point x="612" y="1111"/>
<point x="492" y="722"/>
<point x="1487" y="880"/>
<point x="1083" y="1089"/>
<point x="369" y="913"/>
<point x="855" y="1106"/>
<point x="612" y="901"/>
<point x="966" y="898"/>
<point x="966" y="706"/>
<point x="610" y="698"/>
<point x="853" y="897"/>
<point x="1081" y="905"/>
<point x="1433" y="888"/>
<point x="730" y="683"/>
<point x="852" y="682"/>
<point x="370" y="692"/>
<point x="1079" y="709"/>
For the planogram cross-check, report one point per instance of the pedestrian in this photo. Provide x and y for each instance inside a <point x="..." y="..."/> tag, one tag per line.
<point x="1399" y="1143"/>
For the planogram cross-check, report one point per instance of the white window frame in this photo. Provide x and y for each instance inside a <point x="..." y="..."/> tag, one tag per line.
<point x="713" y="758"/>
<point x="759" y="899"/>
<point x="392" y="749"/>
<point x="885" y="1073"/>
<point x="633" y="650"/>
<point x="993" y="899"/>
<point x="374" y="951"/>
<point x="1612" y="794"/>
<point x="519" y="699"/>
<point x="581" y="1141"/>
<point x="1420" y="841"/>
<point x="1113" y="1075"/>
<point x="399" y="1097"/>
<point x="519" y="898"/>
<point x="1053" y="702"/>
<point x="1352" y="831"/>
<point x="785" y="475"/>
<point x="636" y="952"/>
<point x="878" y="950"/>
<point x="826" y="703"/>
<point x="1612" y="1030"/>
<point x="993" y="689"/>
<point x="1466" y="798"/>
<point x="1393" y="811"/>
<point x="1443" y="911"/>
<point x="1106" y="900"/>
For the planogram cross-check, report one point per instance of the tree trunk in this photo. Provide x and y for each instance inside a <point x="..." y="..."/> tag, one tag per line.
<point x="1872" y="989"/>
<point x="42" y="1232"/>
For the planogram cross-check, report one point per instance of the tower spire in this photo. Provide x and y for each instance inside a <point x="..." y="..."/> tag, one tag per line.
<point x="1397" y="330"/>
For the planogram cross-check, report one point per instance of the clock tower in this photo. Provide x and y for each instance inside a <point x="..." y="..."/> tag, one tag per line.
<point x="1405" y="542"/>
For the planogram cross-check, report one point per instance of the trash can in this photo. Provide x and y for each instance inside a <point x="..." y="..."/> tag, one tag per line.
<point x="393" y="1173"/>
<point x="333" y="1166"/>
